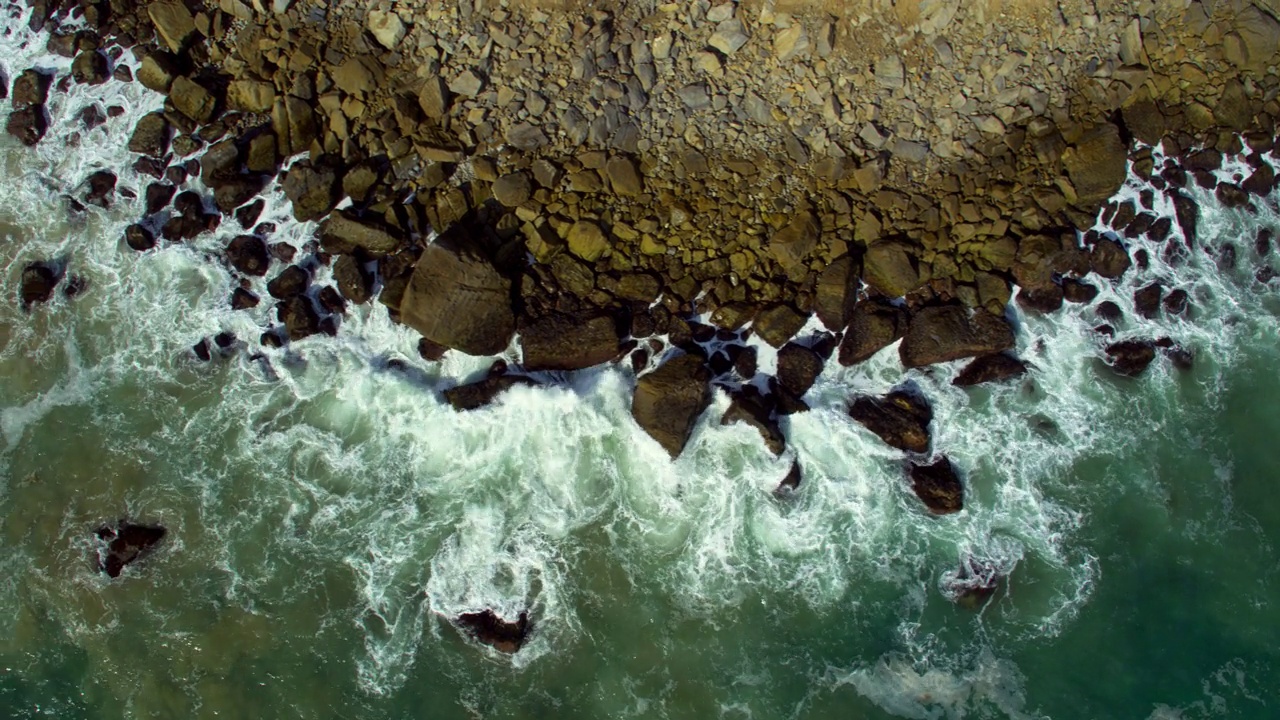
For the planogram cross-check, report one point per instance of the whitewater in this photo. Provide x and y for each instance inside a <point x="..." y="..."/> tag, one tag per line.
<point x="328" y="511"/>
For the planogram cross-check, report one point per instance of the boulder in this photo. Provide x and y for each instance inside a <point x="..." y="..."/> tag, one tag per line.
<point x="873" y="326"/>
<point x="352" y="232"/>
<point x="249" y="255"/>
<point x="836" y="293"/>
<point x="38" y="282"/>
<point x="798" y="368"/>
<point x="158" y="195"/>
<point x="1188" y="215"/>
<point x="242" y="299"/>
<point x="478" y="394"/>
<point x="951" y="332"/>
<point x="1097" y="165"/>
<point x="1043" y="299"/>
<point x="299" y="317"/>
<point x="587" y="240"/>
<point x="139" y="238"/>
<point x="354" y="282"/>
<point x="890" y="269"/>
<point x="495" y="631"/>
<point x="778" y="324"/>
<point x="100" y="186"/>
<point x="562" y="342"/>
<point x="458" y="299"/>
<point x="1109" y="259"/>
<point x="173" y="22"/>
<point x="28" y="125"/>
<point x="990" y="368"/>
<point x="157" y="71"/>
<point x="1077" y="291"/>
<point x="1130" y="357"/>
<point x="31" y="88"/>
<point x="191" y="99"/>
<point x="294" y="125"/>
<point x="1146" y="300"/>
<point x="669" y="400"/>
<point x="792" y="245"/>
<point x="750" y="408"/>
<point x="253" y="96"/>
<point x="938" y="486"/>
<point x="513" y="189"/>
<point x="90" y="68"/>
<point x="312" y="189"/>
<point x="291" y="282"/>
<point x="150" y="136"/>
<point x="900" y="418"/>
<point x="125" y="543"/>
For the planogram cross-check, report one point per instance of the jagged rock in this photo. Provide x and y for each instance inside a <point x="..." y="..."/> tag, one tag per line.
<point x="28" y="125"/>
<point x="1177" y="303"/>
<point x="512" y="190"/>
<point x="562" y="342"/>
<point x="990" y="368"/>
<point x="158" y="196"/>
<point x="249" y="255"/>
<point x="1096" y="165"/>
<point x="126" y="542"/>
<point x="90" y="68"/>
<point x="973" y="584"/>
<point x="242" y="299"/>
<point x="150" y="136"/>
<point x="1109" y="259"/>
<point x="778" y="324"/>
<point x="798" y="368"/>
<point x="352" y="232"/>
<point x="890" y="269"/>
<point x="669" y="400"/>
<point x="139" y="238"/>
<point x="938" y="486"/>
<point x="299" y="317"/>
<point x="479" y="394"/>
<point x="751" y="409"/>
<point x="499" y="633"/>
<point x="790" y="483"/>
<point x="191" y="99"/>
<point x="950" y="332"/>
<point x="900" y="418"/>
<point x="457" y="298"/>
<point x="791" y="246"/>
<point x="311" y="189"/>
<point x="874" y="325"/>
<point x="1130" y="357"/>
<point x="290" y="283"/>
<point x="38" y="282"/>
<point x="836" y="293"/>
<point x="173" y="22"/>
<point x="354" y="282"/>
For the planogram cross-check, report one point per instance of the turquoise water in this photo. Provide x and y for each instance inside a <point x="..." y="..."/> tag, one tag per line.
<point x="327" y="511"/>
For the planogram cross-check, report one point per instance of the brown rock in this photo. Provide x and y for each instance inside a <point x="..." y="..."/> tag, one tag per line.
<point x="150" y="136"/>
<point x="990" y="368"/>
<point x="249" y="255"/>
<point x="791" y="246"/>
<point x="173" y="22"/>
<point x="1096" y="165"/>
<point x="191" y="99"/>
<point x="312" y="189"/>
<point x="497" y="632"/>
<point x="950" y="332"/>
<point x="351" y="231"/>
<point x="890" y="269"/>
<point x="479" y="394"/>
<point x="1130" y="357"/>
<point x="938" y="486"/>
<point x="457" y="298"/>
<point x="562" y="342"/>
<point x="126" y="543"/>
<point x="512" y="190"/>
<point x="798" y="368"/>
<point x="669" y="401"/>
<point x="1109" y="259"/>
<point x="836" y="293"/>
<point x="874" y="325"/>
<point x="778" y="324"/>
<point x="900" y="419"/>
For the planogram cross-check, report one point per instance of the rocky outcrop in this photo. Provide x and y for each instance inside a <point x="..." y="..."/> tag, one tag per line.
<point x="125" y="543"/>
<point x="951" y="332"/>
<point x="900" y="418"/>
<point x="1130" y="357"/>
<point x="750" y="408"/>
<point x="938" y="486"/>
<point x="873" y="326"/>
<point x="563" y="342"/>
<point x="457" y="298"/>
<point x="39" y="280"/>
<point x="990" y="368"/>
<point x="497" y="632"/>
<point x="668" y="401"/>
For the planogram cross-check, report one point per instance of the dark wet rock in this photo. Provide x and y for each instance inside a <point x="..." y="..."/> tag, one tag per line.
<point x="1182" y="358"/>
<point x="1109" y="311"/>
<point x="191" y="219"/>
<point x="311" y="189"/>
<point x="330" y="301"/>
<point x="752" y="409"/>
<point x="126" y="543"/>
<point x="798" y="368"/>
<point x="668" y="401"/>
<point x="1146" y="300"/>
<point x="28" y="125"/>
<point x="1130" y="357"/>
<point x="139" y="238"/>
<point x="790" y="483"/>
<point x="1109" y="259"/>
<point x="271" y="339"/>
<point x="1105" y="329"/>
<point x="639" y="360"/>
<point x="153" y="167"/>
<point x="91" y="116"/>
<point x="299" y="317"/>
<point x="231" y="194"/>
<point x="951" y="332"/>
<point x="1078" y="291"/>
<point x="354" y="282"/>
<point x="247" y="215"/>
<point x="75" y="286"/>
<point x="157" y="196"/>
<point x="873" y="326"/>
<point x="1043" y="299"/>
<point x="836" y="293"/>
<point x="1227" y="257"/>
<point x="778" y="324"/>
<point x="242" y="299"/>
<point x="90" y="68"/>
<point x="458" y="299"/>
<point x="1262" y="242"/>
<point x="31" y="89"/>
<point x="1261" y="182"/>
<point x="38" y="283"/>
<point x="1177" y="303"/>
<point x="1160" y="229"/>
<point x="150" y="136"/>
<point x="224" y="340"/>
<point x="497" y="632"/>
<point x="431" y="351"/>
<point x="562" y="342"/>
<point x="973" y="584"/>
<point x="900" y="418"/>
<point x="479" y="394"/>
<point x="745" y="363"/>
<point x="284" y="252"/>
<point x="1231" y="195"/>
<point x="201" y="350"/>
<point x="938" y="486"/>
<point x="248" y="254"/>
<point x="290" y="283"/>
<point x="990" y="368"/>
<point x="1188" y="216"/>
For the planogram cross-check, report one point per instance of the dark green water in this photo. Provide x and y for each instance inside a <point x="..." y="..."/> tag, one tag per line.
<point x="327" y="513"/>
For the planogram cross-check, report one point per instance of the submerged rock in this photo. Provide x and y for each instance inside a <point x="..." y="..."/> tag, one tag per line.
<point x="478" y="394"/>
<point x="990" y="368"/>
<point x="495" y="631"/>
<point x="938" y="486"/>
<point x="669" y="400"/>
<point x="126" y="542"/>
<point x="900" y="418"/>
<point x="38" y="282"/>
<point x="789" y="484"/>
<point x="750" y="408"/>
<point x="973" y="583"/>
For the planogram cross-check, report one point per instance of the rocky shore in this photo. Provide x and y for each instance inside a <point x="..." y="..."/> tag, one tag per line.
<point x="594" y="178"/>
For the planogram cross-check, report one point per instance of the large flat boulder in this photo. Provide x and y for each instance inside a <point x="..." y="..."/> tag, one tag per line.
<point x="563" y="342"/>
<point x="456" y="298"/>
<point x="669" y="400"/>
<point x="900" y="418"/>
<point x="1096" y="165"/>
<point x="345" y="228"/>
<point x="938" y="486"/>
<point x="873" y="326"/>
<point x="951" y="332"/>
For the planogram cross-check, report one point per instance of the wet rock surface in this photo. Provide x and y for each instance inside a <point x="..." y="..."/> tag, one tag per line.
<point x="125" y="543"/>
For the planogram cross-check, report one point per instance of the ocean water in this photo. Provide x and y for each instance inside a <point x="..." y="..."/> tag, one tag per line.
<point x="327" y="511"/>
